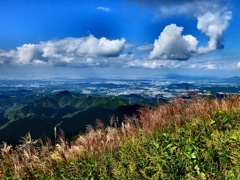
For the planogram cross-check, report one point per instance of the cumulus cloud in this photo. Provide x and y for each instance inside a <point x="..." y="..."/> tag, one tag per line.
<point x="86" y="51"/>
<point x="28" y="53"/>
<point x="213" y="25"/>
<point x="7" y="57"/>
<point x="213" y="18"/>
<point x="171" y="44"/>
<point x="86" y="46"/>
<point x="101" y="8"/>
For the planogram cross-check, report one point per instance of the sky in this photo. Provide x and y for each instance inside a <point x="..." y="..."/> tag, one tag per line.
<point x="119" y="38"/>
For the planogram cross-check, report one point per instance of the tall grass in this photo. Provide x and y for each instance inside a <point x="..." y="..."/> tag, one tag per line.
<point x="198" y="138"/>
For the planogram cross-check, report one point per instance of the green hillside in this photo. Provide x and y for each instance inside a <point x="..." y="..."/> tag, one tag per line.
<point x="62" y="104"/>
<point x="66" y="111"/>
<point x="187" y="139"/>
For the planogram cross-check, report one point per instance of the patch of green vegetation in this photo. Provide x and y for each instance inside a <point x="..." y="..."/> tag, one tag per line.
<point x="66" y="110"/>
<point x="202" y="149"/>
<point x="198" y="139"/>
<point x="112" y="104"/>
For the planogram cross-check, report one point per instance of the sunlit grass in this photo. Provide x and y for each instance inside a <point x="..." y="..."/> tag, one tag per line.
<point x="197" y="139"/>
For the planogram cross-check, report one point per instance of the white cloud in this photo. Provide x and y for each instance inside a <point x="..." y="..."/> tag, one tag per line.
<point x="145" y="64"/>
<point x="101" y="8"/>
<point x="209" y="66"/>
<point x="146" y="47"/>
<point x="171" y="44"/>
<point x="27" y="53"/>
<point x="39" y="62"/>
<point x="213" y="25"/>
<point x="7" y="57"/>
<point x="213" y="19"/>
<point x="238" y="64"/>
<point x="152" y="64"/>
<point x="196" y="63"/>
<point x="73" y="51"/>
<point x="100" y="47"/>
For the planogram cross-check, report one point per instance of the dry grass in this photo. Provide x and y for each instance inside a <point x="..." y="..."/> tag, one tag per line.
<point x="35" y="158"/>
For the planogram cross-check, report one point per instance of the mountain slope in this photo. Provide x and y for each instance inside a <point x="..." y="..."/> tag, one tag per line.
<point x="65" y="110"/>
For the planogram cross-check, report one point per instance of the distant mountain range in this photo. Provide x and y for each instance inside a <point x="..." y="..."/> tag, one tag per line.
<point x="235" y="79"/>
<point x="188" y="77"/>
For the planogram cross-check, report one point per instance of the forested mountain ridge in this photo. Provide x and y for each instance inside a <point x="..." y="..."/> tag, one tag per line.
<point x="65" y="110"/>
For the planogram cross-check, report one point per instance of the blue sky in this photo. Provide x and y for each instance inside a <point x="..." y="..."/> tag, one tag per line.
<point x="128" y="38"/>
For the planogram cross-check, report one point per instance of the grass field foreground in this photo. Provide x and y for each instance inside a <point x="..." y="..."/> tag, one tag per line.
<point x="188" y="139"/>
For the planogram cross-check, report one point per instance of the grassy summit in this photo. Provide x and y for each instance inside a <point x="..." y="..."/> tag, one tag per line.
<point x="197" y="139"/>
